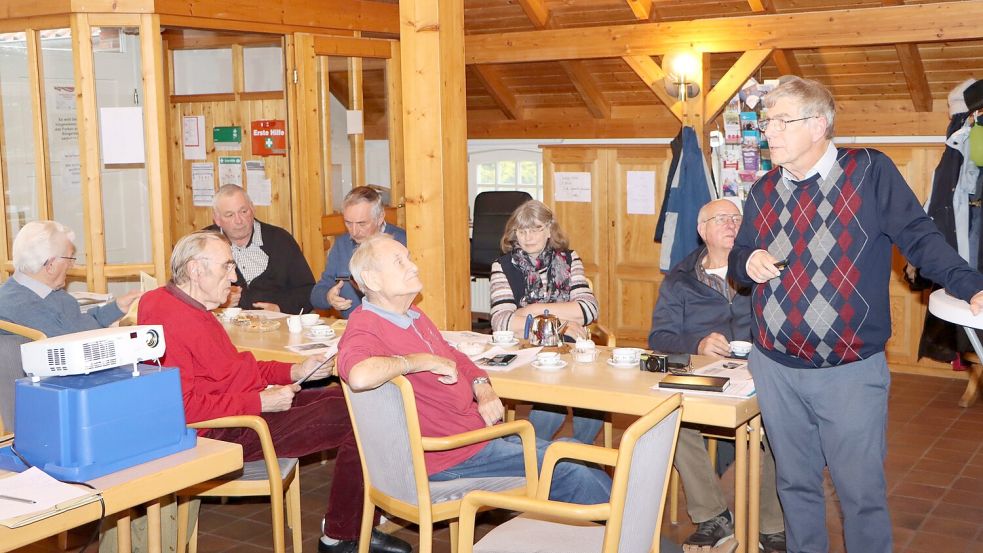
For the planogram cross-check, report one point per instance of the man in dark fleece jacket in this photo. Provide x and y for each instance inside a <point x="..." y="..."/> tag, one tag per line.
<point x="701" y="311"/>
<point x="822" y="317"/>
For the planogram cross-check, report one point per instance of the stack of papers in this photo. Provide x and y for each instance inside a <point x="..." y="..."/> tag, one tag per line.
<point x="33" y="495"/>
<point x="740" y="385"/>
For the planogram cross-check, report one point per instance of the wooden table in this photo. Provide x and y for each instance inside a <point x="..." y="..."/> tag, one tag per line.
<point x="600" y="387"/>
<point x="142" y="484"/>
<point x="956" y="311"/>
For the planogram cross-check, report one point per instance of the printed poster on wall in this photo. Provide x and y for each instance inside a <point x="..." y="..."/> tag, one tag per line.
<point x="193" y="135"/>
<point x="230" y="171"/>
<point x="641" y="193"/>
<point x="202" y="183"/>
<point x="260" y="188"/>
<point x="571" y="187"/>
<point x="269" y="137"/>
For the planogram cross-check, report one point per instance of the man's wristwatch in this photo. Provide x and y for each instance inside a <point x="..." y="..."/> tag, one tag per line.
<point x="480" y="380"/>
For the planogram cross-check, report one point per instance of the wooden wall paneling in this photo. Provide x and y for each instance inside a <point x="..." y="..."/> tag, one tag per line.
<point x="394" y="114"/>
<point x="155" y="140"/>
<point x="356" y="102"/>
<point x="585" y="223"/>
<point x="633" y="256"/>
<point x="432" y="78"/>
<point x="88" y="125"/>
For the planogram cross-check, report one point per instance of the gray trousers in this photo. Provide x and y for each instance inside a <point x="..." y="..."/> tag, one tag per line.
<point x="833" y="417"/>
<point x="705" y="499"/>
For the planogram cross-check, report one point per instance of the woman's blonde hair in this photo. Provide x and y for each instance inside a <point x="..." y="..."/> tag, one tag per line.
<point x="532" y="214"/>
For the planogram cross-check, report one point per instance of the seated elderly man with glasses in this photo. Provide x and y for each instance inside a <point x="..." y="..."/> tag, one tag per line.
<point x="43" y="253"/>
<point x="217" y="381"/>
<point x="387" y="337"/>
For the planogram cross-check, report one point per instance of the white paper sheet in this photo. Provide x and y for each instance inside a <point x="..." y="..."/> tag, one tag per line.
<point x="741" y="385"/>
<point x="147" y="282"/>
<point x="572" y="187"/>
<point x="328" y="347"/>
<point x="455" y="337"/>
<point x="260" y="188"/>
<point x="202" y="183"/>
<point x="354" y="121"/>
<point x="193" y="135"/>
<point x="523" y="357"/>
<point x="230" y="171"/>
<point x="47" y="496"/>
<point x="640" y="198"/>
<point x="121" y="135"/>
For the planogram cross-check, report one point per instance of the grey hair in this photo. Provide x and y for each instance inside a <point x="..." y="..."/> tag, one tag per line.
<point x="364" y="194"/>
<point x="814" y="99"/>
<point x="36" y="244"/>
<point x="187" y="248"/>
<point x="364" y="258"/>
<point x="229" y="190"/>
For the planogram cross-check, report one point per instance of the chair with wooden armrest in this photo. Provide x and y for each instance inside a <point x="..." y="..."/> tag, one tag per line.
<point x="633" y="515"/>
<point x="387" y="431"/>
<point x="269" y="476"/>
<point x="21" y="330"/>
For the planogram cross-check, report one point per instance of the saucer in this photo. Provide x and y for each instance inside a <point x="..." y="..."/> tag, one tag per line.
<point x="514" y="342"/>
<point x="633" y="365"/>
<point x="311" y="335"/>
<point x="548" y="368"/>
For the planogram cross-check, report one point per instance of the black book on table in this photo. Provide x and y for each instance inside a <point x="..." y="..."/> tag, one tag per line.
<point x="694" y="382"/>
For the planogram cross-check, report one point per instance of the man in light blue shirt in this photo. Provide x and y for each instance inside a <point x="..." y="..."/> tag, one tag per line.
<point x="43" y="252"/>
<point x="364" y="217"/>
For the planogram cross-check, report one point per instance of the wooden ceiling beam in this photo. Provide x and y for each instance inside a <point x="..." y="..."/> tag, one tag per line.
<point x="914" y="70"/>
<point x="784" y="59"/>
<point x="537" y="12"/>
<point x="654" y="77"/>
<point x="937" y="22"/>
<point x="491" y="78"/>
<point x="641" y="8"/>
<point x="733" y="80"/>
<point x="589" y="92"/>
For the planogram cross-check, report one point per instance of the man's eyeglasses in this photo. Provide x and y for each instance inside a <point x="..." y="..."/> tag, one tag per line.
<point x="724" y="218"/>
<point x="227" y="266"/>
<point x="71" y="259"/>
<point x="779" y="124"/>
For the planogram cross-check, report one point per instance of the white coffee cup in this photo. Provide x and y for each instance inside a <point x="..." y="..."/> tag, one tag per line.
<point x="230" y="313"/>
<point x="503" y="336"/>
<point x="548" y="358"/>
<point x="626" y="356"/>
<point x="740" y="348"/>
<point x="322" y="330"/>
<point x="309" y="319"/>
<point x="294" y="324"/>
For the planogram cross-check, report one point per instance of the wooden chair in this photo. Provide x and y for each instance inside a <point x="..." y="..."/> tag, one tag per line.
<point x="387" y="431"/>
<point x="11" y="368"/>
<point x="633" y="515"/>
<point x="270" y="476"/>
<point x="21" y="330"/>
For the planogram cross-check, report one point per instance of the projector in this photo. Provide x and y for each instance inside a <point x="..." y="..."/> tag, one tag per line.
<point x="92" y="350"/>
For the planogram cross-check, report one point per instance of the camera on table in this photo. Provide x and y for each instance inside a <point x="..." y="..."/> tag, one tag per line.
<point x="654" y="362"/>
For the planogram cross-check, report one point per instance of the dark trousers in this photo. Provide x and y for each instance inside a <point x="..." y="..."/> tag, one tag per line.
<point x="317" y="421"/>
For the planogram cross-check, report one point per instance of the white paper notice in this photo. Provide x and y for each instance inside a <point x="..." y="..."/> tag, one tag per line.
<point x="641" y="193"/>
<point x="202" y="183"/>
<point x="121" y="135"/>
<point x="259" y="187"/>
<point x="230" y="171"/>
<point x="354" y="120"/>
<point x="193" y="129"/>
<point x="571" y="187"/>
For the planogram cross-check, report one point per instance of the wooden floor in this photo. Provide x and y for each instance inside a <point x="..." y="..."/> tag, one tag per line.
<point x="934" y="472"/>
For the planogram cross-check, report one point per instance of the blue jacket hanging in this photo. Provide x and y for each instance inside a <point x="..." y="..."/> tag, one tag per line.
<point x="691" y="188"/>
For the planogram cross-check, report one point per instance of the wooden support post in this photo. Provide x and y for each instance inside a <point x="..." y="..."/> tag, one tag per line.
<point x="394" y="113"/>
<point x="155" y="138"/>
<point x="356" y="102"/>
<point x="432" y="43"/>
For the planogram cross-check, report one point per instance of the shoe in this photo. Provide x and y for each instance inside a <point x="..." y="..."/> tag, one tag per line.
<point x="711" y="533"/>
<point x="380" y="543"/>
<point x="772" y="543"/>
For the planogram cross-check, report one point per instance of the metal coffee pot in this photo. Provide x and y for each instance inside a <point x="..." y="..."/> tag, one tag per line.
<point x="546" y="330"/>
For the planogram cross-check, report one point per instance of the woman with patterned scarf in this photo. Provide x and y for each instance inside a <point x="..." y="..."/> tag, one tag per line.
<point x="539" y="273"/>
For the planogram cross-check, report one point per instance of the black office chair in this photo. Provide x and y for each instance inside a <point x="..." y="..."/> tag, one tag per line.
<point x="491" y="211"/>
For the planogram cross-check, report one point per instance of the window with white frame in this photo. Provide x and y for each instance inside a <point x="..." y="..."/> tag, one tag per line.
<point x="507" y="169"/>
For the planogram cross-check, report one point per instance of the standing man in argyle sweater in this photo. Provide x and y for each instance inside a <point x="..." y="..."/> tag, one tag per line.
<point x="816" y="244"/>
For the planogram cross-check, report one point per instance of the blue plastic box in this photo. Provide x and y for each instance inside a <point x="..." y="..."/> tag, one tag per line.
<point x="81" y="427"/>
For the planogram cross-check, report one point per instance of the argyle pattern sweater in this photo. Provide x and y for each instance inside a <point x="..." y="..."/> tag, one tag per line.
<point x="830" y="306"/>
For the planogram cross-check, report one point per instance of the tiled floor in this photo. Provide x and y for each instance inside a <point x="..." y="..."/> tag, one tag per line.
<point x="934" y="472"/>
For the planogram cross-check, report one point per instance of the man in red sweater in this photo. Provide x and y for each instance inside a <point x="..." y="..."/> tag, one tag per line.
<point x="217" y="381"/>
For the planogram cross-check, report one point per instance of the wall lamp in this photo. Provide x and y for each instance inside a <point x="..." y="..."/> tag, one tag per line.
<point x="682" y="68"/>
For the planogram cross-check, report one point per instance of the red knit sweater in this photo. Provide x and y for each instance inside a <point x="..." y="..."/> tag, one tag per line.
<point x="216" y="379"/>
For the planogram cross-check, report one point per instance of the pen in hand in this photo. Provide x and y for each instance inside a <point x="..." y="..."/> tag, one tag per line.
<point x="306" y="377"/>
<point x="17" y="499"/>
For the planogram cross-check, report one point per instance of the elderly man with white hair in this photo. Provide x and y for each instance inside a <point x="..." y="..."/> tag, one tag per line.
<point x="387" y="337"/>
<point x="217" y="381"/>
<point x="43" y="253"/>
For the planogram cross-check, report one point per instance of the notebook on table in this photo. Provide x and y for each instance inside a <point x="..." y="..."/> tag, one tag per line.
<point x="695" y="382"/>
